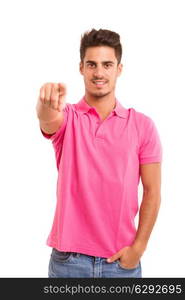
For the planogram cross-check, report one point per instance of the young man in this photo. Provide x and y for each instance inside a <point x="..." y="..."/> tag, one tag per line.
<point x="102" y="150"/>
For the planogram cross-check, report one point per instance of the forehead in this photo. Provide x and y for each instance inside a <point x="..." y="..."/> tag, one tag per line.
<point x="100" y="53"/>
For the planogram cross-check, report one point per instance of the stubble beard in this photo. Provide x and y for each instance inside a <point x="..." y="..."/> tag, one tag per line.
<point x="98" y="95"/>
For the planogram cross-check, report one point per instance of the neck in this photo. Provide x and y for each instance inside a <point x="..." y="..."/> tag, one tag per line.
<point x="104" y="105"/>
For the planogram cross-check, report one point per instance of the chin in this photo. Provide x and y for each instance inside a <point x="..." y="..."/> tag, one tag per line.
<point x="99" y="94"/>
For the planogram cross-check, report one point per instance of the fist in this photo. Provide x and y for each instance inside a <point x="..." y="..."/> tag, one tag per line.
<point x="52" y="95"/>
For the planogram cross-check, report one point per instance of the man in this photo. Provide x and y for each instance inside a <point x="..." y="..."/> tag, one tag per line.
<point x="102" y="150"/>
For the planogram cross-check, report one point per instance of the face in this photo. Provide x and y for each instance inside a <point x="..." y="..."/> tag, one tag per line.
<point x="100" y="70"/>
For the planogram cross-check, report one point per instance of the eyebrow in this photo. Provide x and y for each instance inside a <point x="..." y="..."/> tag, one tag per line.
<point x="106" y="61"/>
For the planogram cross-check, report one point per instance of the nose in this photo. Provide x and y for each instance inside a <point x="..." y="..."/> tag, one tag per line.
<point x="98" y="71"/>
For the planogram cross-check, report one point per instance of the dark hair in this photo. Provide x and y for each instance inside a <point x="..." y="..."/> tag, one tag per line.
<point x="101" y="37"/>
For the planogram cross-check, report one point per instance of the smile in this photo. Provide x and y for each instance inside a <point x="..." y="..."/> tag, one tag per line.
<point x="99" y="82"/>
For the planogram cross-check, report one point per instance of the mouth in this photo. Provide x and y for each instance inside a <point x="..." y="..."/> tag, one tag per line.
<point x="99" y="83"/>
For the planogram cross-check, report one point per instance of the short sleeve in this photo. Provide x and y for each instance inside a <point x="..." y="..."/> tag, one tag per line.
<point x="58" y="135"/>
<point x="150" y="149"/>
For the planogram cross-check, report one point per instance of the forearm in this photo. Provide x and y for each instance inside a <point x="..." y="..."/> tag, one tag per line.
<point x="147" y="216"/>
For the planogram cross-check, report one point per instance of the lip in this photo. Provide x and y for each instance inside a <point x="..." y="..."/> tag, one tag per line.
<point x="99" y="83"/>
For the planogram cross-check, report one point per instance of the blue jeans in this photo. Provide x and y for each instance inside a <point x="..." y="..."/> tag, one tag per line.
<point x="76" y="265"/>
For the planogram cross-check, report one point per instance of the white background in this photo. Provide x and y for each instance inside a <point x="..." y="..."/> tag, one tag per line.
<point x="40" y="43"/>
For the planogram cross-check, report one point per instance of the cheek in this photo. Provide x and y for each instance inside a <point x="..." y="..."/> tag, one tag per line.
<point x="112" y="78"/>
<point x="111" y="74"/>
<point x="87" y="75"/>
<point x="87" y="80"/>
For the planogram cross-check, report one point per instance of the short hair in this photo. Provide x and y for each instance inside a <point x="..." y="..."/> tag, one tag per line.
<point x="101" y="37"/>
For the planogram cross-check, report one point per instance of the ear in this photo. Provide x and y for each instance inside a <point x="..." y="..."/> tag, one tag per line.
<point x="81" y="66"/>
<point x="120" y="68"/>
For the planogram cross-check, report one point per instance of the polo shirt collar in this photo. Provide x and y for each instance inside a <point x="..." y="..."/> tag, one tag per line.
<point x="84" y="107"/>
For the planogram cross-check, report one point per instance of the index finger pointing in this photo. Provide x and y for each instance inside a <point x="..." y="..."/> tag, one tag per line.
<point x="62" y="88"/>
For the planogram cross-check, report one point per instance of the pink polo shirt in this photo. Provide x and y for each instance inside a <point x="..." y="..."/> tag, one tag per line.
<point x="98" y="176"/>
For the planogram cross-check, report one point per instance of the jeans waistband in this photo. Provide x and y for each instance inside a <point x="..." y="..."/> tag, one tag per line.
<point x="76" y="254"/>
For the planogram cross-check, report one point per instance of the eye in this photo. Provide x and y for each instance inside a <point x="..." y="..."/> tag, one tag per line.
<point x="91" y="65"/>
<point x="108" y="65"/>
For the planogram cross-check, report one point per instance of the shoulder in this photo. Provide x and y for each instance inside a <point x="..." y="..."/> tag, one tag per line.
<point x="139" y="116"/>
<point x="142" y="120"/>
<point x="144" y="124"/>
<point x="70" y="107"/>
<point x="67" y="106"/>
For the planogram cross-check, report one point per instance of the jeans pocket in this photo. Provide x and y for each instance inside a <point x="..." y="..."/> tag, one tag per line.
<point x="124" y="268"/>
<point x="61" y="256"/>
